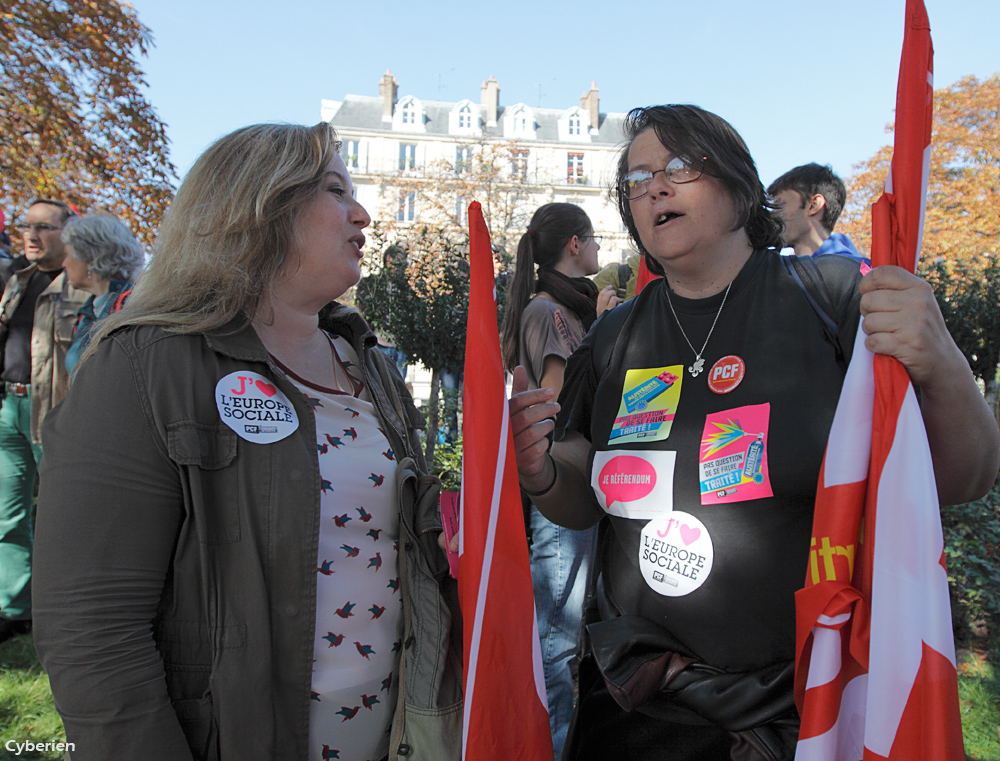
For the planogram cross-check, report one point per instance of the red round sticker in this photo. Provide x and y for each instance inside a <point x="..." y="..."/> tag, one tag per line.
<point x="726" y="374"/>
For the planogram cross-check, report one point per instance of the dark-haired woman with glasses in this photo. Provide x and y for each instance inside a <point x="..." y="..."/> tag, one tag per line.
<point x="547" y="317"/>
<point x="695" y="417"/>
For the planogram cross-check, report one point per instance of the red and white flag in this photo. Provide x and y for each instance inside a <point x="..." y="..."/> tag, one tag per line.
<point x="875" y="658"/>
<point x="506" y="715"/>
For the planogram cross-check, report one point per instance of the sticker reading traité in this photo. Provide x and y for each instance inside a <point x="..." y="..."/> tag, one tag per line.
<point x="648" y="405"/>
<point x="732" y="465"/>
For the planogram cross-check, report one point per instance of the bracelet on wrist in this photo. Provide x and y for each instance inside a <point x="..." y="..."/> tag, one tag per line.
<point x="547" y="489"/>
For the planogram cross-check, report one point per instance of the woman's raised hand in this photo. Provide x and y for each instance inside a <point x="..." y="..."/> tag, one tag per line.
<point x="607" y="298"/>
<point x="531" y="420"/>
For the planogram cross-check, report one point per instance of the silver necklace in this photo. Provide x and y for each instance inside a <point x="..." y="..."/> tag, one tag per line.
<point x="699" y="363"/>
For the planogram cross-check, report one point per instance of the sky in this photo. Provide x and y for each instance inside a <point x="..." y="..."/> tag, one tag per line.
<point x="801" y="82"/>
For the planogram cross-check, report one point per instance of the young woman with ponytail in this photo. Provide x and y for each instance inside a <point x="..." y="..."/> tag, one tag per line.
<point x="547" y="318"/>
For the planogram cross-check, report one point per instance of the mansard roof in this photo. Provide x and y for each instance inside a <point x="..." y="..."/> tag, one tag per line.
<point x="362" y="112"/>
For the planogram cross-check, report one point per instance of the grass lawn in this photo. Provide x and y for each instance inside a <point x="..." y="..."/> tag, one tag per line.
<point x="979" y="696"/>
<point x="27" y="713"/>
<point x="26" y="710"/>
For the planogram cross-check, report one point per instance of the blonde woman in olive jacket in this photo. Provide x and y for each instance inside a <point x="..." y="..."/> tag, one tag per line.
<point x="182" y="603"/>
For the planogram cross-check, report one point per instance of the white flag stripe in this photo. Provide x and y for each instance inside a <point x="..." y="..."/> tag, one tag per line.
<point x="484" y="580"/>
<point x="825" y="620"/>
<point x="925" y="175"/>
<point x="843" y="741"/>
<point x="910" y="603"/>
<point x="825" y="660"/>
<point x="537" y="667"/>
<point x="849" y="448"/>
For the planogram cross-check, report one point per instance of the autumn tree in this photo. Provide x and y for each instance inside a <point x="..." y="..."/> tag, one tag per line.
<point x="963" y="190"/>
<point x="74" y="124"/>
<point x="417" y="287"/>
<point x="962" y="223"/>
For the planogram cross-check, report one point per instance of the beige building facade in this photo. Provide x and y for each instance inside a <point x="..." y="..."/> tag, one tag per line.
<point x="565" y="155"/>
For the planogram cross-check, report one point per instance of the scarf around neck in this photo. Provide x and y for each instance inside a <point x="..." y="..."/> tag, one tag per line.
<point x="578" y="294"/>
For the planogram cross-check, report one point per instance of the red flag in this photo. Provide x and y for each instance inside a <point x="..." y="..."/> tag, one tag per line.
<point x="875" y="658"/>
<point x="505" y="707"/>
<point x="645" y="277"/>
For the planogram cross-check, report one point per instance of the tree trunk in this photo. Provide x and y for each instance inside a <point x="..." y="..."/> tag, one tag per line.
<point x="432" y="418"/>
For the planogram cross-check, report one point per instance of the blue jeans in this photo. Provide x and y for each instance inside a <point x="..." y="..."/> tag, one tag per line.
<point x="561" y="560"/>
<point x="18" y="465"/>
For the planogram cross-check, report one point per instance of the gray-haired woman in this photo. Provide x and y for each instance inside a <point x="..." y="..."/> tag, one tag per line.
<point x="103" y="259"/>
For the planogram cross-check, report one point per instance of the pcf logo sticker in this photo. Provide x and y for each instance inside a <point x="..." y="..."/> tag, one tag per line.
<point x="726" y="374"/>
<point x="254" y="407"/>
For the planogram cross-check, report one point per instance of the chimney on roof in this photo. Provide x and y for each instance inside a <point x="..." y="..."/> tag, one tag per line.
<point x="387" y="88"/>
<point x="590" y="103"/>
<point x="491" y="99"/>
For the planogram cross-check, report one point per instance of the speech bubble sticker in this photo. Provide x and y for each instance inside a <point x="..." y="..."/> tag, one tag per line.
<point x="254" y="408"/>
<point x="634" y="484"/>
<point x="675" y="554"/>
<point x="626" y="478"/>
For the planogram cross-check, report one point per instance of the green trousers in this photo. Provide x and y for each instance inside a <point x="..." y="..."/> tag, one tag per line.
<point x="18" y="466"/>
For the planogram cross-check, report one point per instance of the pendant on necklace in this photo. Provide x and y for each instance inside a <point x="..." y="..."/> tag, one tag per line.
<point x="697" y="367"/>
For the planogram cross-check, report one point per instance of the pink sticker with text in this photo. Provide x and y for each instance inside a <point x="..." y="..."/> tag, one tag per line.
<point x="634" y="484"/>
<point x="732" y="462"/>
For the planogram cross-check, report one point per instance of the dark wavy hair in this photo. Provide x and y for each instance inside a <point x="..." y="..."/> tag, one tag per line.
<point x="814" y="179"/>
<point x="551" y="228"/>
<point x="709" y="142"/>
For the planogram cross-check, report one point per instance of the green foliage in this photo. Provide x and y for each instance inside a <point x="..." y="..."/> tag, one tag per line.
<point x="972" y="552"/>
<point x="27" y="713"/>
<point x="968" y="293"/>
<point x="979" y="699"/>
<point x="448" y="464"/>
<point x="420" y="297"/>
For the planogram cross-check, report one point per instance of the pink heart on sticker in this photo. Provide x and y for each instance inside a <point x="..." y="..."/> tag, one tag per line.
<point x="266" y="388"/>
<point x="689" y="534"/>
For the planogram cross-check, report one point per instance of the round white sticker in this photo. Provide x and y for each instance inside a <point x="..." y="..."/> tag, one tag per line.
<point x="254" y="407"/>
<point x="675" y="554"/>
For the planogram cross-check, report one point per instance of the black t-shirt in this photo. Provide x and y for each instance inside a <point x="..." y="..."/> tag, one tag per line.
<point x="740" y="462"/>
<point x="17" y="346"/>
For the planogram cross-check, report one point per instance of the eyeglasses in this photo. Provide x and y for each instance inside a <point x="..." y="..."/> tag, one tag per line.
<point x="636" y="184"/>
<point x="597" y="238"/>
<point x="40" y="227"/>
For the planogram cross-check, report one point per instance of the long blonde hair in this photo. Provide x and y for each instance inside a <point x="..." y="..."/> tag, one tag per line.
<point x="228" y="230"/>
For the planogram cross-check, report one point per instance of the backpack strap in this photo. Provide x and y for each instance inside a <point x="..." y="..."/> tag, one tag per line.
<point x="624" y="275"/>
<point x="806" y="275"/>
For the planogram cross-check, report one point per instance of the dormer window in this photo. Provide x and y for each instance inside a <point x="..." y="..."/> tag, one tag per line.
<point x="463" y="119"/>
<point x="574" y="125"/>
<point x="409" y="115"/>
<point x="519" y="122"/>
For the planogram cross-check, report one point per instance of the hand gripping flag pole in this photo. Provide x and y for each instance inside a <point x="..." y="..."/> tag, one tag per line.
<point x="505" y="708"/>
<point x="875" y="658"/>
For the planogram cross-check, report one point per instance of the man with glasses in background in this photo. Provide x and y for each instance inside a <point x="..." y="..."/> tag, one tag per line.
<point x="37" y="315"/>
